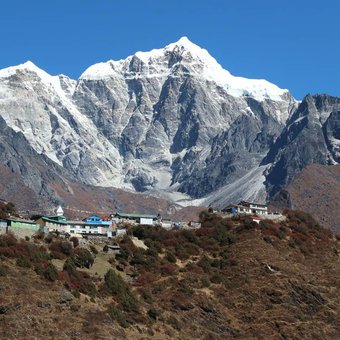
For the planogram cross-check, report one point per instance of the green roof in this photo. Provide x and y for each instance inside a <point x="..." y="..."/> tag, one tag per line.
<point x="18" y="220"/>
<point x="55" y="219"/>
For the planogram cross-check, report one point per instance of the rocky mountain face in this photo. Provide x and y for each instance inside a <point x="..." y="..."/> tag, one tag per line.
<point x="169" y="122"/>
<point x="311" y="135"/>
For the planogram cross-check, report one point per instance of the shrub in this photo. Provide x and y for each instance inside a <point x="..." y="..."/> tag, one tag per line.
<point x="75" y="293"/>
<point x="189" y="235"/>
<point x="153" y="313"/>
<point x="267" y="239"/>
<point x="181" y="252"/>
<point x="117" y="287"/>
<point x="204" y="263"/>
<point x="70" y="267"/>
<point x="222" y="236"/>
<point x="146" y="295"/>
<point x="205" y="282"/>
<point x="61" y="248"/>
<point x="39" y="235"/>
<point x="93" y="249"/>
<point x="233" y="262"/>
<point x="168" y="269"/>
<point x="174" y="323"/>
<point x="49" y="238"/>
<point x="145" y="278"/>
<point x="39" y="269"/>
<point x="86" y="286"/>
<point x="23" y="262"/>
<point x="138" y="257"/>
<point x="8" y="240"/>
<point x="83" y="258"/>
<point x="50" y="273"/>
<point x="66" y="247"/>
<point x="264" y="224"/>
<point x="3" y="271"/>
<point x="117" y="315"/>
<point x="217" y="278"/>
<point x="74" y="241"/>
<point x="170" y="257"/>
<point x="106" y="248"/>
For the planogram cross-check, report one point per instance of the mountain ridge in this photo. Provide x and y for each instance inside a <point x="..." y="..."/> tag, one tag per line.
<point x="166" y="123"/>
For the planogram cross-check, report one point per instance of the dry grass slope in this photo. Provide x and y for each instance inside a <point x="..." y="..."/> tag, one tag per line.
<point x="231" y="279"/>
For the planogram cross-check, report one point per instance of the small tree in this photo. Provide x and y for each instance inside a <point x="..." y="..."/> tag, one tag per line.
<point x="75" y="241"/>
<point x="50" y="273"/>
<point x="83" y="258"/>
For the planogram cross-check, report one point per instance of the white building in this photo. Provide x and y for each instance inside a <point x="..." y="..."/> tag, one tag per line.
<point x="245" y="207"/>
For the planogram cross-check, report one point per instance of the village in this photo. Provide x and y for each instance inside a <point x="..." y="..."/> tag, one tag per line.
<point x="115" y="225"/>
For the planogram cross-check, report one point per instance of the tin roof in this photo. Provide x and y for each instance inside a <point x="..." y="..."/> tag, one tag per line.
<point x="136" y="215"/>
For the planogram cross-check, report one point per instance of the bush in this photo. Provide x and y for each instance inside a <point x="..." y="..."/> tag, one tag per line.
<point x="39" y="235"/>
<point x="146" y="295"/>
<point x="153" y="313"/>
<point x="217" y="278"/>
<point x="168" y="269"/>
<point x="170" y="257"/>
<point x="83" y="258"/>
<point x="49" y="238"/>
<point x="3" y="271"/>
<point x="61" y="248"/>
<point x="204" y="263"/>
<point x="23" y="262"/>
<point x="117" y="287"/>
<point x="174" y="323"/>
<point x="70" y="267"/>
<point x="74" y="241"/>
<point x="117" y="315"/>
<point x="189" y="235"/>
<point x="86" y="286"/>
<point x="93" y="249"/>
<point x="205" y="282"/>
<point x="8" y="240"/>
<point x="50" y="273"/>
<point x="66" y="248"/>
<point x="138" y="257"/>
<point x="75" y="293"/>
<point x="181" y="252"/>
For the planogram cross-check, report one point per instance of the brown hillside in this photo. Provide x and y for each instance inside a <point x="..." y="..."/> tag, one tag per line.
<point x="315" y="190"/>
<point x="80" y="199"/>
<point x="231" y="279"/>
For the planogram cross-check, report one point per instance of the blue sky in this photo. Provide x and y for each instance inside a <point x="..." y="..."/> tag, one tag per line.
<point x="294" y="44"/>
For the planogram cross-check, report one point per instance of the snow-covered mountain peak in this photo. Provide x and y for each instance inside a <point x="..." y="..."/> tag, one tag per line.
<point x="27" y="66"/>
<point x="185" y="46"/>
<point x="161" y="62"/>
<point x="60" y="83"/>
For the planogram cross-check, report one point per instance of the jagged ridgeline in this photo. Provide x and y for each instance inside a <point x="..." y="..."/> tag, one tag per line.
<point x="171" y="122"/>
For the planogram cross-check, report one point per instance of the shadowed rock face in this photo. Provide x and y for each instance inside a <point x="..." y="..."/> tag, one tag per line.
<point x="27" y="171"/>
<point x="311" y="136"/>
